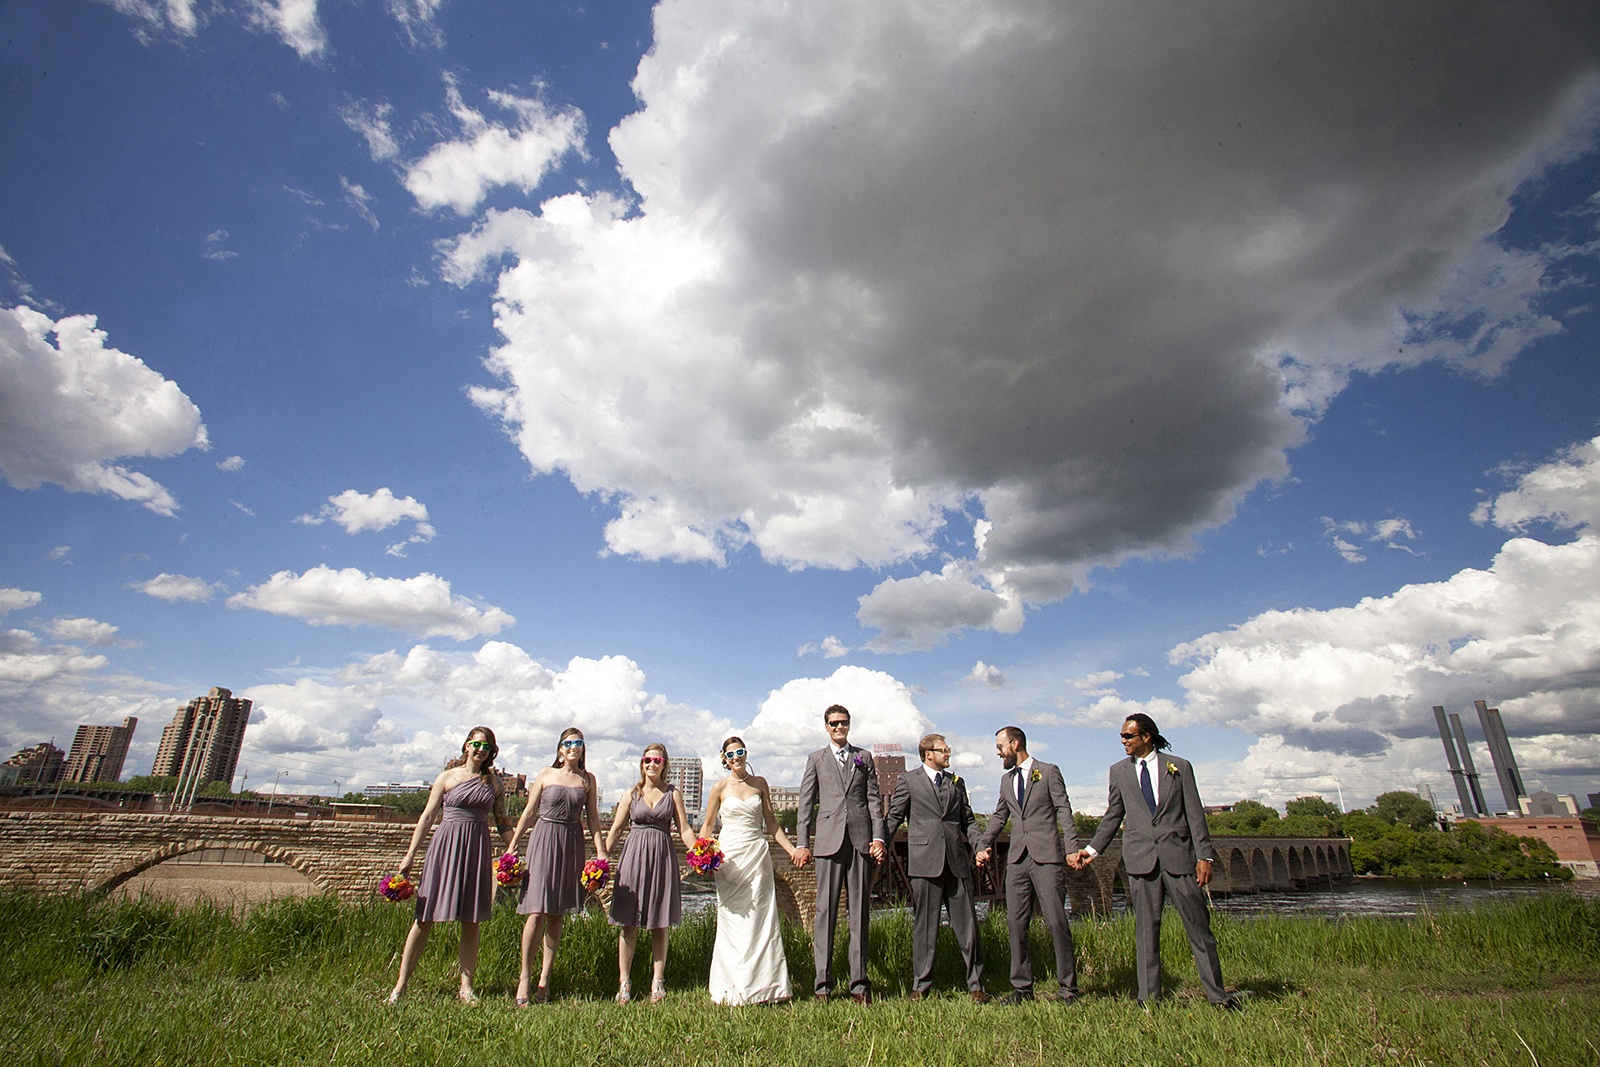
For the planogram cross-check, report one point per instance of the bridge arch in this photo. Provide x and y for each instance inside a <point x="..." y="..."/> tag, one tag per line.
<point x="1297" y="871"/>
<point x="172" y="850"/>
<point x="1239" y="872"/>
<point x="1260" y="872"/>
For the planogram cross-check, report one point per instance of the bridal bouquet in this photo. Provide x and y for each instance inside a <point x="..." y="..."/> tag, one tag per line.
<point x="396" y="888"/>
<point x="509" y="869"/>
<point x="705" y="856"/>
<point x="596" y="873"/>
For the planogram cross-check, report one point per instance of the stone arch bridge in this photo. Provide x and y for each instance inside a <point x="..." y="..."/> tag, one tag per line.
<point x="94" y="852"/>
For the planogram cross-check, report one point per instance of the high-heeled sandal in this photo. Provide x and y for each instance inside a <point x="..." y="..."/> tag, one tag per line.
<point x="624" y="992"/>
<point x="541" y="995"/>
<point x="658" y="990"/>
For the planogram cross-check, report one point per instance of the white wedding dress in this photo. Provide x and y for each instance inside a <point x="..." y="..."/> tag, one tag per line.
<point x="747" y="965"/>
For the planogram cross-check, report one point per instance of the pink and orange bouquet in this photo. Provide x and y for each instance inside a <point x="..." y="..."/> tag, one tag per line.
<point x="705" y="856"/>
<point x="396" y="888"/>
<point x="509" y="869"/>
<point x="596" y="873"/>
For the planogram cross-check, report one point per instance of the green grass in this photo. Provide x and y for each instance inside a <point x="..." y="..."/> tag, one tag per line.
<point x="301" y="981"/>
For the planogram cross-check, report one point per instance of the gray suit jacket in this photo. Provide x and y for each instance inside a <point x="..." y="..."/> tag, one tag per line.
<point x="941" y="830"/>
<point x="1034" y="827"/>
<point x="1175" y="837"/>
<point x="845" y="800"/>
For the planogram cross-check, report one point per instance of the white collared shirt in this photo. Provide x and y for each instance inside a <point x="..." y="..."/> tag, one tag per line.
<point x="933" y="773"/>
<point x="1025" y="769"/>
<point x="841" y="753"/>
<point x="1152" y="761"/>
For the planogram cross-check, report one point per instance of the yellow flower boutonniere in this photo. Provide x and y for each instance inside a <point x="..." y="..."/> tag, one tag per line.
<point x="955" y="779"/>
<point x="1036" y="777"/>
<point x="1172" y="768"/>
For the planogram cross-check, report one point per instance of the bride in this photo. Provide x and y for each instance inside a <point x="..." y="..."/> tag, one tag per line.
<point x="747" y="965"/>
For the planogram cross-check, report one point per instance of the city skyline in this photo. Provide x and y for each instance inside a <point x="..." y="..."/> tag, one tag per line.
<point x="676" y="370"/>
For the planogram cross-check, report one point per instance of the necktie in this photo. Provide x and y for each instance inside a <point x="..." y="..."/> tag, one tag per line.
<point x="1017" y="775"/>
<point x="841" y="754"/>
<point x="1144" y="786"/>
<point x="938" y="781"/>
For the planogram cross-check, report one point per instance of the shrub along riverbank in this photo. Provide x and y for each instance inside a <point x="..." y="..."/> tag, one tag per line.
<point x="303" y="980"/>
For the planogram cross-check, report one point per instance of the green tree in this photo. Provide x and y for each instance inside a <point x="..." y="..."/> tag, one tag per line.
<point x="1247" y="817"/>
<point x="1313" y="806"/>
<point x="1402" y="808"/>
<point x="1086" y="825"/>
<point x="152" y="783"/>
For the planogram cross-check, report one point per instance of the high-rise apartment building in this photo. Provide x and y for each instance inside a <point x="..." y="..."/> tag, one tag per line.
<point x="42" y="763"/>
<point x="685" y="773"/>
<point x="202" y="742"/>
<point x="98" y="752"/>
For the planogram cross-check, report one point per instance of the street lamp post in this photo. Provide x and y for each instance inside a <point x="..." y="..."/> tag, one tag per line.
<point x="274" y="795"/>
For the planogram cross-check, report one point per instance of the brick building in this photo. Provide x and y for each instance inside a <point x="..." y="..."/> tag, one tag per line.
<point x="98" y="752"/>
<point x="202" y="742"/>
<point x="42" y="763"/>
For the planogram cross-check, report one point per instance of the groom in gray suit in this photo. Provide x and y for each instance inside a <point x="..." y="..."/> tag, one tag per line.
<point x="841" y="782"/>
<point x="1033" y="797"/>
<point x="939" y="847"/>
<point x="1166" y="851"/>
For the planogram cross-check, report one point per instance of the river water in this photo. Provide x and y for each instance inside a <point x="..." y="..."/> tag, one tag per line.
<point x="1390" y="898"/>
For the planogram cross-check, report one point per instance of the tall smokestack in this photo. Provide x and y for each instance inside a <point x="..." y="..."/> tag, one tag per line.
<point x="1455" y="763"/>
<point x="1466" y="760"/>
<point x="1505" y="764"/>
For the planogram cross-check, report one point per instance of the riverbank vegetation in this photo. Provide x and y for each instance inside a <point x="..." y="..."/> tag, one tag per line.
<point x="303" y="981"/>
<point x="1400" y="836"/>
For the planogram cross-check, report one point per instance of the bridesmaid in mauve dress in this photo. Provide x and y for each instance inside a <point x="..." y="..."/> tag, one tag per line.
<point x="647" y="892"/>
<point x="458" y="873"/>
<point x="557" y="800"/>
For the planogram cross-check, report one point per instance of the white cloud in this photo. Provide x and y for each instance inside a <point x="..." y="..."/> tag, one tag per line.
<point x="295" y="23"/>
<point x="459" y="173"/>
<point x="831" y="648"/>
<point x="923" y="611"/>
<point x="58" y="553"/>
<point x="985" y="674"/>
<point x="214" y="247"/>
<point x="175" y="587"/>
<point x="1388" y="532"/>
<point x="160" y="16"/>
<point x="1561" y="492"/>
<point x="231" y="464"/>
<point x="415" y="18"/>
<point x="1086" y="269"/>
<point x="788" y="724"/>
<point x="88" y="632"/>
<point x="359" y="202"/>
<point x="68" y="409"/>
<point x="357" y="512"/>
<point x="371" y="121"/>
<point x="24" y="659"/>
<point x="422" y="605"/>
<point x="16" y="599"/>
<point x="1357" y="684"/>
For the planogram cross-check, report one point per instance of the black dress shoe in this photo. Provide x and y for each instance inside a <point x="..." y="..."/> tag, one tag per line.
<point x="822" y="997"/>
<point x="1017" y="996"/>
<point x="1063" y="998"/>
<point x="1234" y="1003"/>
<point x="980" y="997"/>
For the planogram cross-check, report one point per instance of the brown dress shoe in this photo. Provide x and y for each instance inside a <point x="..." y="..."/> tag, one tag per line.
<point x="979" y="996"/>
<point x="915" y="994"/>
<point x="822" y="997"/>
<point x="861" y="998"/>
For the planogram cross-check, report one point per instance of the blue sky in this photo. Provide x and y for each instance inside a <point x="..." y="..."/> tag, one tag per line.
<point x="676" y="371"/>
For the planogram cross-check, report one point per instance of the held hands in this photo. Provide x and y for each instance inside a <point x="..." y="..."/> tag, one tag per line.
<point x="1202" y="871"/>
<point x="800" y="857"/>
<point x="982" y="858"/>
<point x="1080" y="859"/>
<point x="879" y="851"/>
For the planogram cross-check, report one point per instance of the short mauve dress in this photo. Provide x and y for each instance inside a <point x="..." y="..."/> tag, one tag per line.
<point x="647" y="891"/>
<point x="555" y="852"/>
<point x="458" y="870"/>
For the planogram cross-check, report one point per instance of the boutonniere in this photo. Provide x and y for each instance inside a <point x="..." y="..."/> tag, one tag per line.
<point x="1172" y="768"/>
<point x="860" y="761"/>
<point x="1035" y="777"/>
<point x="955" y="779"/>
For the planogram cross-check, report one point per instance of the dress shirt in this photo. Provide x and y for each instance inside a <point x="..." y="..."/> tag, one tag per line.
<point x="1153" y="762"/>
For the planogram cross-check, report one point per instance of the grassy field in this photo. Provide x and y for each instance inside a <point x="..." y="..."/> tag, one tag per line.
<point x="302" y="981"/>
